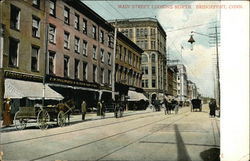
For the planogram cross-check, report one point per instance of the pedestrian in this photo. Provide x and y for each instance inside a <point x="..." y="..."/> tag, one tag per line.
<point x="212" y="107"/>
<point x="103" y="108"/>
<point x="7" y="118"/>
<point x="84" y="109"/>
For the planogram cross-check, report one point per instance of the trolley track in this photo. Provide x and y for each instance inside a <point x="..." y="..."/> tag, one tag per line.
<point x="121" y="133"/>
<point x="81" y="129"/>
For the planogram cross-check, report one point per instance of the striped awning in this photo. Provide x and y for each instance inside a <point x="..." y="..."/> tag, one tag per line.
<point x="136" y="96"/>
<point x="32" y="90"/>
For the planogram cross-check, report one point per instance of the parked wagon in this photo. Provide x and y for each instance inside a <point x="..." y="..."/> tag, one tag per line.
<point x="43" y="115"/>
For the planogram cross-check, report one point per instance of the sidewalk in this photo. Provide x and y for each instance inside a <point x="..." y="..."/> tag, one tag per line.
<point x="77" y="119"/>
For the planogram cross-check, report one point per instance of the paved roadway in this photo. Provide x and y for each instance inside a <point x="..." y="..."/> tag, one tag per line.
<point x="187" y="136"/>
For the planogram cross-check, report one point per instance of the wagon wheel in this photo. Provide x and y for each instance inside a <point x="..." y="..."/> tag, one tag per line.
<point x="43" y="119"/>
<point x="19" y="122"/>
<point x="61" y="119"/>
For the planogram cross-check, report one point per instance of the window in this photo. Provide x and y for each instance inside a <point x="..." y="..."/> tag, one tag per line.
<point x="66" y="40"/>
<point x="94" y="32"/>
<point x="52" y="62"/>
<point x="145" y="32"/>
<point x="129" y="57"/>
<point x="94" y="73"/>
<point x="76" y="69"/>
<point x="153" y="58"/>
<point x="153" y="83"/>
<point x="137" y="32"/>
<point x="102" y="55"/>
<point x="130" y="33"/>
<point x="102" y="76"/>
<point x="145" y="70"/>
<point x="15" y="18"/>
<point x="120" y="52"/>
<point x="52" y="33"/>
<point x="110" y="41"/>
<point x="13" y="52"/>
<point x="153" y="70"/>
<point x="84" y="26"/>
<point x="34" y="58"/>
<point x="145" y="83"/>
<point x="152" y="32"/>
<point x="109" y="77"/>
<point x="145" y="44"/>
<point x="66" y="15"/>
<point x="109" y="58"/>
<point x="144" y="58"/>
<point x="36" y="3"/>
<point x="94" y="52"/>
<point x="77" y="22"/>
<point x="35" y="27"/>
<point x="84" y="48"/>
<point x="66" y="66"/>
<point x="125" y="54"/>
<point x="77" y="45"/>
<point x="152" y="44"/>
<point x="85" y="70"/>
<point x="102" y="37"/>
<point x="52" y="7"/>
<point x="141" y="32"/>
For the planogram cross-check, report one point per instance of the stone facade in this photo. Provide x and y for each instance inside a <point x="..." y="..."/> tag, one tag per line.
<point x="148" y="34"/>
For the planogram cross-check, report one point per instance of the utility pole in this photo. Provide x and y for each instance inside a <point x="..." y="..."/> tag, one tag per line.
<point x="217" y="65"/>
<point x="46" y="53"/>
<point x="113" y="64"/>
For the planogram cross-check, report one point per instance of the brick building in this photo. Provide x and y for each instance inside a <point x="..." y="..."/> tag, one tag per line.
<point x="22" y="53"/>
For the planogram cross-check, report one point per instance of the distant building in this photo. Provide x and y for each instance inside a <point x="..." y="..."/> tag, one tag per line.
<point x="149" y="35"/>
<point x="182" y="82"/>
<point x="172" y="80"/>
<point x="192" y="90"/>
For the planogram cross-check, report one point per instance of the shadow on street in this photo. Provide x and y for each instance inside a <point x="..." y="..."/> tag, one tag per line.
<point x="181" y="148"/>
<point x="211" y="154"/>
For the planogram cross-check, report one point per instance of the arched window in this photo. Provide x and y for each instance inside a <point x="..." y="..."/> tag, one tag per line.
<point x="153" y="58"/>
<point x="144" y="58"/>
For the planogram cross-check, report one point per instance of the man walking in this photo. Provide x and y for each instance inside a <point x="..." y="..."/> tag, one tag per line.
<point x="84" y="109"/>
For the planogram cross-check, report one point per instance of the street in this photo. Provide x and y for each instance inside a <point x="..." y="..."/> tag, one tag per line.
<point x="150" y="135"/>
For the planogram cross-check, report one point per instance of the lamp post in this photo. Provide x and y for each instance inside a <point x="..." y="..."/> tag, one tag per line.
<point x="215" y="36"/>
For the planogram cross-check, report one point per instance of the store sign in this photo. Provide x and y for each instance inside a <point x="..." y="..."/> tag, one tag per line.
<point x="22" y="76"/>
<point x="71" y="82"/>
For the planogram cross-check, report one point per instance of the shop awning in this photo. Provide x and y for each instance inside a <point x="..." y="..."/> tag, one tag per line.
<point x="136" y="96"/>
<point x="31" y="90"/>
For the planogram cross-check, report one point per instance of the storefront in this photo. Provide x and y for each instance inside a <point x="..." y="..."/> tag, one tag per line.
<point x="27" y="90"/>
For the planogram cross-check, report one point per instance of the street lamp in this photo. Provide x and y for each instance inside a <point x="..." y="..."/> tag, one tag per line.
<point x="215" y="36"/>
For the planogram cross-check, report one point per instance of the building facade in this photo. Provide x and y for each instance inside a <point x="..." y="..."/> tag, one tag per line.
<point x="22" y="52"/>
<point x="192" y="90"/>
<point x="182" y="83"/>
<point x="172" y="81"/>
<point x="80" y="51"/>
<point x="149" y="35"/>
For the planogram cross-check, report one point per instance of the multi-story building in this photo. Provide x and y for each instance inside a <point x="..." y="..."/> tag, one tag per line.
<point x="172" y="80"/>
<point x="149" y="35"/>
<point x="80" y="51"/>
<point x="22" y="53"/>
<point x="128" y="70"/>
<point x="182" y="82"/>
<point x="192" y="90"/>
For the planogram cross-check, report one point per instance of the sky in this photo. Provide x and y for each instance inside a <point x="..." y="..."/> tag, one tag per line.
<point x="178" y="18"/>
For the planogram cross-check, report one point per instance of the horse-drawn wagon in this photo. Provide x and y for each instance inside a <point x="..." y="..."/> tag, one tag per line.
<point x="43" y="115"/>
<point x="196" y="104"/>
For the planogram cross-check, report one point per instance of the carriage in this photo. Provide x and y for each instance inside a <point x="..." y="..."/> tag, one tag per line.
<point x="43" y="115"/>
<point x="196" y="104"/>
